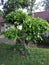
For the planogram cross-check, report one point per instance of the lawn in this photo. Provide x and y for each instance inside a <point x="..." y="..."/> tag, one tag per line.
<point x="35" y="56"/>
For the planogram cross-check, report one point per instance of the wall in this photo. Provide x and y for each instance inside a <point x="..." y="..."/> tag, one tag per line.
<point x="5" y="40"/>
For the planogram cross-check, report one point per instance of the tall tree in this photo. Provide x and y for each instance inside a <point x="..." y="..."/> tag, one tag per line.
<point x="46" y="4"/>
<point x="31" y="7"/>
<point x="2" y="2"/>
<point x="11" y="5"/>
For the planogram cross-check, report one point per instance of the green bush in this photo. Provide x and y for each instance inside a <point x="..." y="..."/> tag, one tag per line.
<point x="13" y="34"/>
<point x="16" y="17"/>
<point x="34" y="28"/>
<point x="16" y="34"/>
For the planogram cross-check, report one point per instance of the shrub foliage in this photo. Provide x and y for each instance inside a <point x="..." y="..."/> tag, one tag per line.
<point x="13" y="34"/>
<point x="16" y="17"/>
<point x="33" y="29"/>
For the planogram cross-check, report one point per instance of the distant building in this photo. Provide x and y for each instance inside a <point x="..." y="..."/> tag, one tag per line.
<point x="44" y="15"/>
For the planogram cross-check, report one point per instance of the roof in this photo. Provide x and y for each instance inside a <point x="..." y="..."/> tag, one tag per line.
<point x="1" y="20"/>
<point x="44" y="15"/>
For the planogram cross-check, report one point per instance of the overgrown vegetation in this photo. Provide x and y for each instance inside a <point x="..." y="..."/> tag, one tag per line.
<point x="12" y="5"/>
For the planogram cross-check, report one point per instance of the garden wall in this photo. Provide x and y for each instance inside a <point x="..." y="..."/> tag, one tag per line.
<point x="6" y="41"/>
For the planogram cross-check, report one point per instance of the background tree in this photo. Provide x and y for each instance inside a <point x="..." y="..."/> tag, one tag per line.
<point x="2" y="2"/>
<point x="11" y="5"/>
<point x="38" y="6"/>
<point x="46" y="4"/>
<point x="1" y="13"/>
<point x="31" y="7"/>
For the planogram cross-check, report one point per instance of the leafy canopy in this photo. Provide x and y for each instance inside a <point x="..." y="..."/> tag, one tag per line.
<point x="12" y="5"/>
<point x="34" y="28"/>
<point x="16" y="17"/>
<point x="13" y="34"/>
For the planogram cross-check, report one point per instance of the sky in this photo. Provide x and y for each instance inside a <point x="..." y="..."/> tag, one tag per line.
<point x="37" y="1"/>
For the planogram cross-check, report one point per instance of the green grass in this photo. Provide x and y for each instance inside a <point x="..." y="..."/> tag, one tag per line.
<point x="35" y="56"/>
